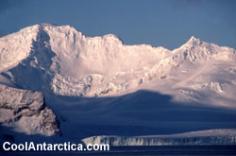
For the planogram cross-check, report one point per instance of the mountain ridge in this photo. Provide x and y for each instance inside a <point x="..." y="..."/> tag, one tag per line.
<point x="70" y="33"/>
<point x="104" y="65"/>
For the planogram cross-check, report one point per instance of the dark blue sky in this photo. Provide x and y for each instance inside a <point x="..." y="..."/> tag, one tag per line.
<point x="168" y="23"/>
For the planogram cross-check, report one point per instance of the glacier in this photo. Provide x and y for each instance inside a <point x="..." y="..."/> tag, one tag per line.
<point x="204" y="137"/>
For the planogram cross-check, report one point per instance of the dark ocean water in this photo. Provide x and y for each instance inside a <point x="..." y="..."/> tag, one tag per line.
<point x="143" y="151"/>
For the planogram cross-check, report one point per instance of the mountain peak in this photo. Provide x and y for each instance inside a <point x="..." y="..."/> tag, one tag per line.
<point x="193" y="40"/>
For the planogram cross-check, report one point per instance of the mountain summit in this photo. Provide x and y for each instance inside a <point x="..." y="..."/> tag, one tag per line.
<point x="193" y="40"/>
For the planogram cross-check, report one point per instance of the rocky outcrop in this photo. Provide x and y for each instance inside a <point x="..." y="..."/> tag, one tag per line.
<point x="26" y="112"/>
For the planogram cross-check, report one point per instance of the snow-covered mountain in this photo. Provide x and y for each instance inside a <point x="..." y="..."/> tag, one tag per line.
<point x="100" y="76"/>
<point x="79" y="65"/>
<point x="71" y="64"/>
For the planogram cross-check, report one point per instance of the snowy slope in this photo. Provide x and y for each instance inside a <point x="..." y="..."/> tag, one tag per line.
<point x="16" y="47"/>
